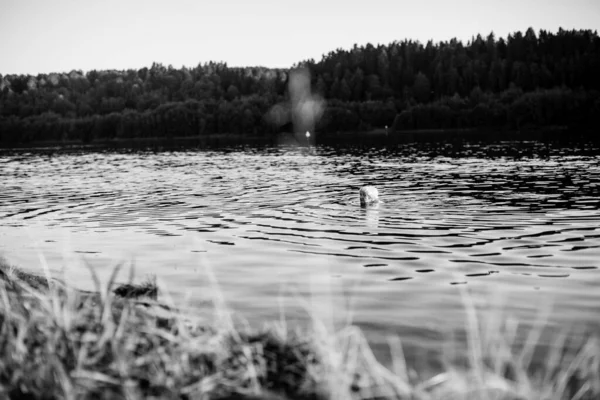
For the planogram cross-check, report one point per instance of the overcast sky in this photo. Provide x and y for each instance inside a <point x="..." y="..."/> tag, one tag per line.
<point x="62" y="35"/>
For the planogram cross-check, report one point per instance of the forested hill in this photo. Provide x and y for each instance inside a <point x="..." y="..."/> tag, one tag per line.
<point x="531" y="80"/>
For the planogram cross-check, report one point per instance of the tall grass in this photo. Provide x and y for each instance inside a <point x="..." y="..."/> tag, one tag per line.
<point x="60" y="343"/>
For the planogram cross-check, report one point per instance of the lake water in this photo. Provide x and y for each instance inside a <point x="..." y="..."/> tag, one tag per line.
<point x="278" y="229"/>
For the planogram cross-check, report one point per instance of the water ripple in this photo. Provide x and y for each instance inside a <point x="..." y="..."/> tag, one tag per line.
<point x="447" y="218"/>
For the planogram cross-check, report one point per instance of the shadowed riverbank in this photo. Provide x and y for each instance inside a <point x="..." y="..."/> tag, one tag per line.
<point x="376" y="137"/>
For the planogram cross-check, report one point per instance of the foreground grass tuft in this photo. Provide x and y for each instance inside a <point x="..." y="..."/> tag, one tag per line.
<point x="147" y="289"/>
<point x="60" y="343"/>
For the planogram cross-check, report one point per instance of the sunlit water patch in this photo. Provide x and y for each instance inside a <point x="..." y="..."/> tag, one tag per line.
<point x="274" y="225"/>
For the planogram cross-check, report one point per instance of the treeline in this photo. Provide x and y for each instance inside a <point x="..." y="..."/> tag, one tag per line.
<point x="512" y="109"/>
<point x="524" y="81"/>
<point x="155" y="102"/>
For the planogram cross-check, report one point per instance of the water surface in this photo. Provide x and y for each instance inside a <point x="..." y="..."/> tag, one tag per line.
<point x="517" y="225"/>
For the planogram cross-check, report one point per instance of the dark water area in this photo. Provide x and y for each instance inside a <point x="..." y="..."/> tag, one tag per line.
<point x="274" y="231"/>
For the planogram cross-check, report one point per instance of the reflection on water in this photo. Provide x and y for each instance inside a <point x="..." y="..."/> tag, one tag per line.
<point x="274" y="223"/>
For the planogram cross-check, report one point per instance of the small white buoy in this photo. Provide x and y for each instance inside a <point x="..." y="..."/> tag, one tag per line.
<point x="307" y="134"/>
<point x="368" y="195"/>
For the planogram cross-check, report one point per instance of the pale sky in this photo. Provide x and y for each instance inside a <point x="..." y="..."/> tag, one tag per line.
<point x="42" y="36"/>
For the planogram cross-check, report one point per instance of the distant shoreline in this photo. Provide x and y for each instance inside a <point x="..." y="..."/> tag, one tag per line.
<point x="375" y="136"/>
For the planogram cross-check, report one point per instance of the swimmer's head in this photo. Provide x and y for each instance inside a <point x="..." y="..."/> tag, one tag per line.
<point x="368" y="195"/>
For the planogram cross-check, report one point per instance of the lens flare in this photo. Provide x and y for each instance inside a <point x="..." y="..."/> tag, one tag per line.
<point x="304" y="108"/>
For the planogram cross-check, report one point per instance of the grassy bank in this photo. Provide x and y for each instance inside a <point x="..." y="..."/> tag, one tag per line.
<point x="118" y="342"/>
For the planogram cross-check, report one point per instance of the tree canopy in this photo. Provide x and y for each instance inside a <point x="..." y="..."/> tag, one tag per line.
<point x="527" y="79"/>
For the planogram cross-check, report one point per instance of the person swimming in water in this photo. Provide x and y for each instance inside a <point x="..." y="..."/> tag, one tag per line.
<point x="368" y="195"/>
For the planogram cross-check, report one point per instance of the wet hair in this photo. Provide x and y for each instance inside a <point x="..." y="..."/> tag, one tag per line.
<point x="368" y="195"/>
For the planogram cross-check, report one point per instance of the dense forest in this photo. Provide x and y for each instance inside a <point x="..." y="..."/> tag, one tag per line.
<point x="526" y="81"/>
